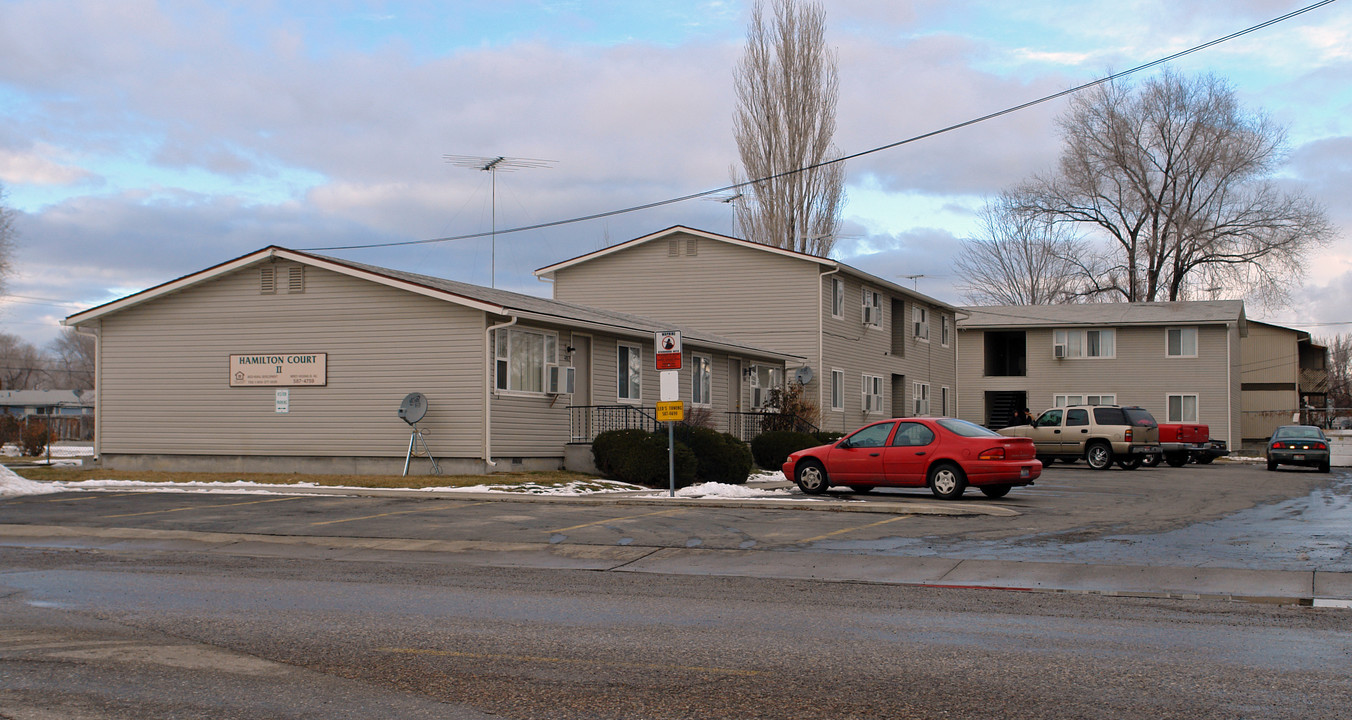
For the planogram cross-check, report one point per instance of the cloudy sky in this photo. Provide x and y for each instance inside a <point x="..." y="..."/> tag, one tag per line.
<point x="141" y="141"/>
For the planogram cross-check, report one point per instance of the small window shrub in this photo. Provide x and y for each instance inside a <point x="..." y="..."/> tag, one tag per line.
<point x="772" y="448"/>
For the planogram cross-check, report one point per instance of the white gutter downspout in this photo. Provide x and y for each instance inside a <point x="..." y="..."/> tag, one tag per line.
<point x="491" y="360"/>
<point x="821" y="343"/>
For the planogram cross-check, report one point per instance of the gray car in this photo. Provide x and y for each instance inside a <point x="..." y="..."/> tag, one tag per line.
<point x="1298" y="445"/>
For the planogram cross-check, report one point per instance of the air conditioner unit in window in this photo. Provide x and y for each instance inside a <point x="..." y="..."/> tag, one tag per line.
<point x="921" y="331"/>
<point x="1059" y="351"/>
<point x="870" y="314"/>
<point x="561" y="380"/>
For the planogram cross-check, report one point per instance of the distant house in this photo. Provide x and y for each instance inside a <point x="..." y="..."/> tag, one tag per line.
<point x="68" y="413"/>
<point x="870" y="348"/>
<point x="1285" y="380"/>
<point x="284" y="361"/>
<point x="1182" y="361"/>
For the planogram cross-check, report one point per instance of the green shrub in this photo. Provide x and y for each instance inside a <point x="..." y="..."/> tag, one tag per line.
<point x="640" y="457"/>
<point x="772" y="448"/>
<point x="33" y="441"/>
<point x="826" y="437"/>
<point x="719" y="457"/>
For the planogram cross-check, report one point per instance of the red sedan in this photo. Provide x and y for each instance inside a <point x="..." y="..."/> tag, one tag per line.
<point x="944" y="454"/>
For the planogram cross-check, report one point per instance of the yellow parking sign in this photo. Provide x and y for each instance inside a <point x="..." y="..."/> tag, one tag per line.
<point x="670" y="411"/>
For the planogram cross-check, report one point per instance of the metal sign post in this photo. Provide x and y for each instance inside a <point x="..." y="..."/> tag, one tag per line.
<point x="667" y="356"/>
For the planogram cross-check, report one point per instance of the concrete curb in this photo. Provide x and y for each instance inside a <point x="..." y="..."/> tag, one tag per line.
<point x="1306" y="587"/>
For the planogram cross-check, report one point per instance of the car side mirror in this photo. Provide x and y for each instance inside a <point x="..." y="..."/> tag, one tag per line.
<point x="844" y="444"/>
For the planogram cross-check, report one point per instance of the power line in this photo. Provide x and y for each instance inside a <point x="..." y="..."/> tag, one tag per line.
<point x="739" y="186"/>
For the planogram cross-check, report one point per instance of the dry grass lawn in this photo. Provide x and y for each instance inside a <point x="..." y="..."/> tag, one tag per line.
<point x="558" y="477"/>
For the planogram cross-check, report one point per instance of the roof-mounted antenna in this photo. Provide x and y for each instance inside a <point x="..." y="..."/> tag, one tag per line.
<point x="493" y="165"/>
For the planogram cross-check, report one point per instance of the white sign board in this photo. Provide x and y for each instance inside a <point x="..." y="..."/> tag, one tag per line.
<point x="283" y="400"/>
<point x="669" y="385"/>
<point x="278" y="369"/>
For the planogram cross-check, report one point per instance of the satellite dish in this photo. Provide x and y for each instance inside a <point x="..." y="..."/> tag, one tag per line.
<point x="803" y="376"/>
<point x="413" y="408"/>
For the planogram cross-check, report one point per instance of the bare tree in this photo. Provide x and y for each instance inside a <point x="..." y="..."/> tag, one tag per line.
<point x="1019" y="258"/>
<point x="71" y="364"/>
<point x="785" y="120"/>
<point x="21" y="364"/>
<point x="1175" y="181"/>
<point x="1340" y="369"/>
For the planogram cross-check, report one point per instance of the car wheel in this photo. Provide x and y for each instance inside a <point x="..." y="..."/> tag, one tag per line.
<point x="1046" y="460"/>
<point x="1070" y="460"/>
<point x="1272" y="464"/>
<point x="1324" y="468"/>
<point x="1203" y="459"/>
<point x="1151" y="461"/>
<point x="862" y="489"/>
<point x="1130" y="463"/>
<point x="947" y="481"/>
<point x="995" y="492"/>
<point x="811" y="477"/>
<point x="1176" y="459"/>
<point x="1099" y="456"/>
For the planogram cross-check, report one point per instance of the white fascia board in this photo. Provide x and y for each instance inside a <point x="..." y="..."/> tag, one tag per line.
<point x="548" y="271"/>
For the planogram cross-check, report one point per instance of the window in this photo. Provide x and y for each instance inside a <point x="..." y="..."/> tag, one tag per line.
<point x="1181" y="342"/>
<point x="912" y="434"/>
<point x="1183" y="408"/>
<point x="920" y="318"/>
<point x="1064" y="400"/>
<point x="872" y="436"/>
<point x="1077" y="417"/>
<point x="873" y="393"/>
<point x="943" y="402"/>
<point x="764" y="378"/>
<point x="701" y="380"/>
<point x="523" y="358"/>
<point x="838" y="390"/>
<point x="629" y="369"/>
<point x="873" y="310"/>
<point x="921" y="393"/>
<point x="943" y="324"/>
<point x="837" y="298"/>
<point x="1086" y="343"/>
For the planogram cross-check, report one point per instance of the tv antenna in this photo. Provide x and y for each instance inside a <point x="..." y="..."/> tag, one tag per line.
<point x="493" y="165"/>
<point x="915" y="281"/>
<point x="411" y="410"/>
<point x="731" y="199"/>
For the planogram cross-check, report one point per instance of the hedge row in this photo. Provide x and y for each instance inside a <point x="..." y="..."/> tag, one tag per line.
<point x="772" y="448"/>
<point x="702" y="455"/>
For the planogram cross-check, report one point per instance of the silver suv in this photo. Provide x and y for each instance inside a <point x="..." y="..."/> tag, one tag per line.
<point x="1101" y="434"/>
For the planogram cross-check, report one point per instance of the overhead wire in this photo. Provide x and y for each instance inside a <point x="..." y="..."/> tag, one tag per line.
<point x="852" y="156"/>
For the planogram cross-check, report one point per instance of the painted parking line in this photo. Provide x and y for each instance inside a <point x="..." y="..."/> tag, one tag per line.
<point x="86" y="497"/>
<point x="618" y="519"/>
<point x="852" y="529"/>
<point x="203" y="507"/>
<point x="570" y="661"/>
<point x="398" y="512"/>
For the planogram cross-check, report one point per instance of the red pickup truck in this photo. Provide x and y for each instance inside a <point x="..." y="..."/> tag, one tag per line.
<point x="1182" y="442"/>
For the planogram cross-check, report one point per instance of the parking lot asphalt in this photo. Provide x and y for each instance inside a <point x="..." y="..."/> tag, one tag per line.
<point x="1196" y="531"/>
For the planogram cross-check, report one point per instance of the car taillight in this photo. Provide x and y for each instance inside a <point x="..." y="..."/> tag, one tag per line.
<point x="1126" y="435"/>
<point x="1319" y="446"/>
<point x="997" y="453"/>
<point x="1278" y="445"/>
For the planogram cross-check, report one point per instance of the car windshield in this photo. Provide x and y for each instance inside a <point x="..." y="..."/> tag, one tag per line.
<point x="1298" y="431"/>
<point x="965" y="429"/>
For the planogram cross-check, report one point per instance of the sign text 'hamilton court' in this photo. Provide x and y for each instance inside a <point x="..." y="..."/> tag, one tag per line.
<point x="279" y="369"/>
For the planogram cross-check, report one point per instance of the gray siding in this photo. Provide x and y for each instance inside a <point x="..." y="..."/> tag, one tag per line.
<point x="164" y="386"/>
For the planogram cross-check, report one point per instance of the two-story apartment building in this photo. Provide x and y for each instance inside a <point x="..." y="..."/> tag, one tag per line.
<point x="871" y="348"/>
<point x="1285" y="380"/>
<point x="1182" y="361"/>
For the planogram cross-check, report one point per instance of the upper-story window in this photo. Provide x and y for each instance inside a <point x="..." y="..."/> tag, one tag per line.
<point x="920" y="321"/>
<point x="522" y="358"/>
<point x="1085" y="343"/>
<point x="837" y="298"/>
<point x="837" y="390"/>
<point x="1181" y="342"/>
<point x="945" y="329"/>
<point x="873" y="307"/>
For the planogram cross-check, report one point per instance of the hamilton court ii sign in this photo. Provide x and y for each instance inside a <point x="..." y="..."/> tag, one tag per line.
<point x="278" y="369"/>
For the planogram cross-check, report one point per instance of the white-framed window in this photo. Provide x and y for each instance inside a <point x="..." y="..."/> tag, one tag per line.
<point x="1086" y="343"/>
<point x="872" y="387"/>
<point x="920" y="323"/>
<point x="701" y="380"/>
<point x="1180" y="342"/>
<point x="837" y="390"/>
<point x="1084" y="399"/>
<point x="523" y="359"/>
<point x="764" y="378"/>
<point x="873" y="307"/>
<point x="1182" y="407"/>
<point x="629" y="373"/>
<point x="946" y="330"/>
<point x="921" y="398"/>
<point x="837" y="297"/>
<point x="943" y="402"/>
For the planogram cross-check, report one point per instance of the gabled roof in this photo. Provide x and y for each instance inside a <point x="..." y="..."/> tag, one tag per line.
<point x="550" y="270"/>
<point x="1209" y="312"/>
<point x="490" y="300"/>
<point x="47" y="398"/>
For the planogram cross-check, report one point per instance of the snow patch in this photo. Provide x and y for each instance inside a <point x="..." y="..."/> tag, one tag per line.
<point x="11" y="485"/>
